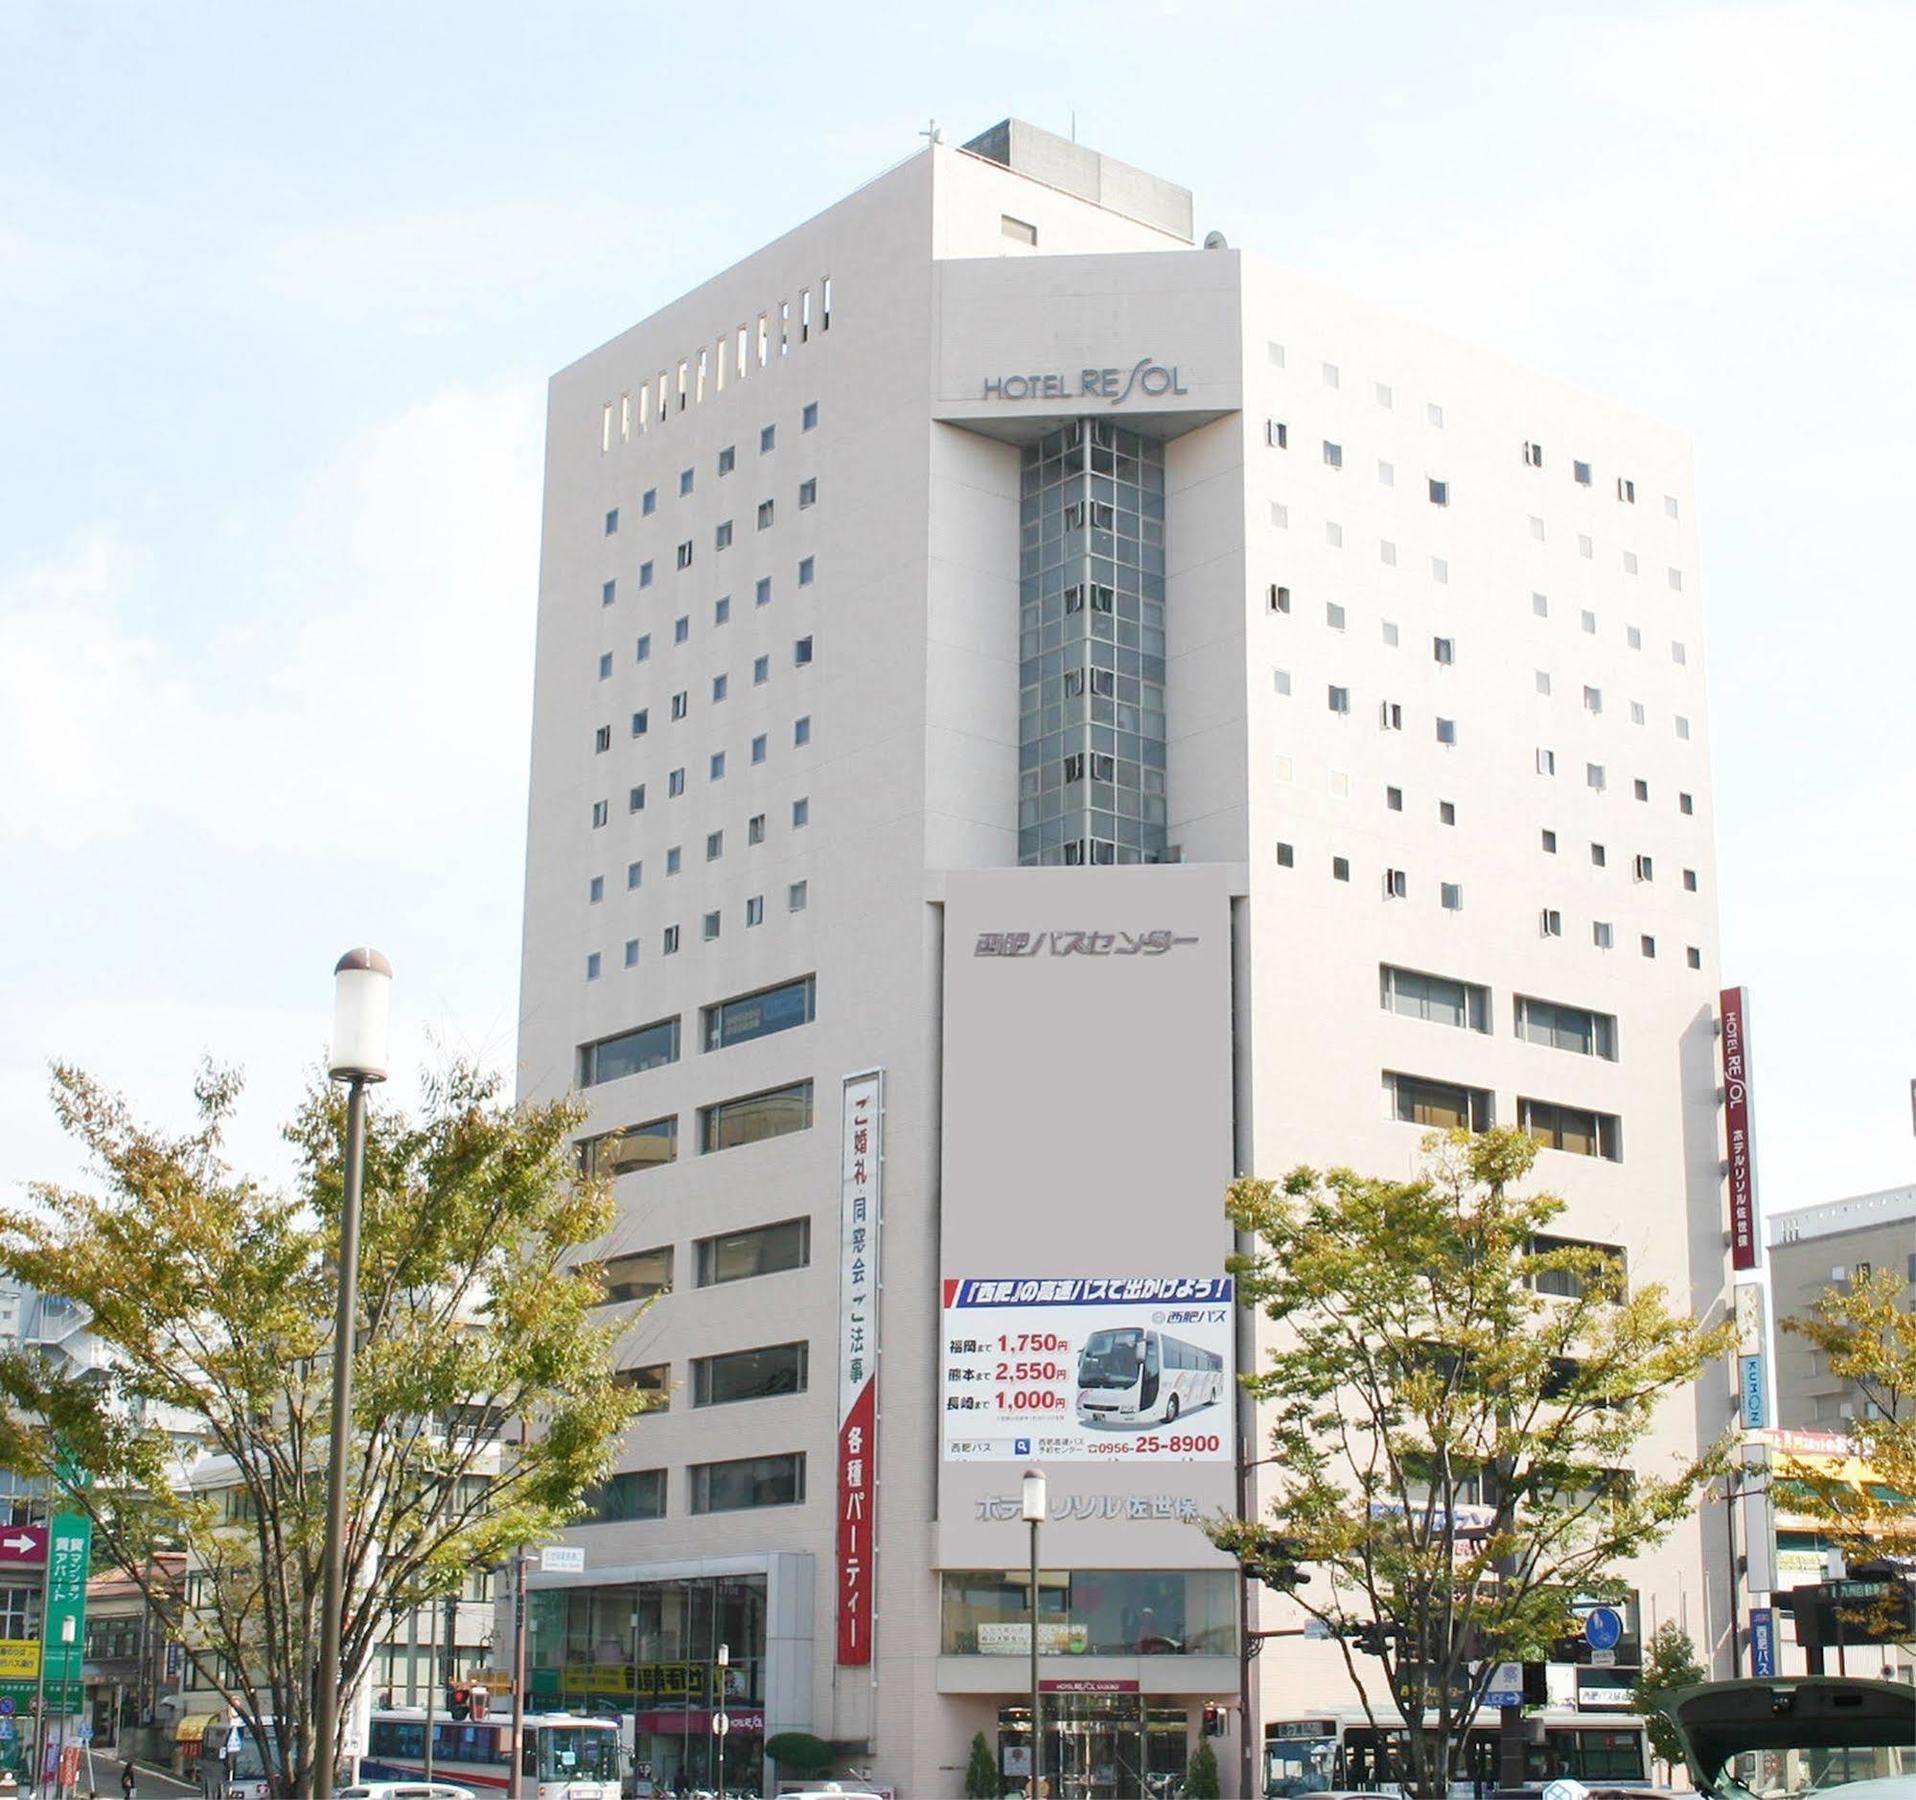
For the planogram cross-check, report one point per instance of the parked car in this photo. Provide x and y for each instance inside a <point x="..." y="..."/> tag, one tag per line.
<point x="404" y="1790"/>
<point x="1786" y="1737"/>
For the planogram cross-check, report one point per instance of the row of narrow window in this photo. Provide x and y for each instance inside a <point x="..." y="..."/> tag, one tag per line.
<point x="711" y="928"/>
<point x="707" y="371"/>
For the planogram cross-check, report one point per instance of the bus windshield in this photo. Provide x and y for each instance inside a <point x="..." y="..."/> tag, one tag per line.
<point x="589" y="1753"/>
<point x="1110" y="1359"/>
<point x="245" y="1763"/>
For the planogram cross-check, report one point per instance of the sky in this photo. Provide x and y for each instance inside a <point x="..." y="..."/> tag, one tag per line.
<point x="280" y="289"/>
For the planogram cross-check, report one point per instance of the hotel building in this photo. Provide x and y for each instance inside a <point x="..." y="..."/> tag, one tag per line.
<point x="1034" y="717"/>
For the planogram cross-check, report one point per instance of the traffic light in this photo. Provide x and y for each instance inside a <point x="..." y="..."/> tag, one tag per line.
<point x="1374" y="1639"/>
<point x="459" y="1701"/>
<point x="1274" y="1563"/>
<point x="1213" y="1719"/>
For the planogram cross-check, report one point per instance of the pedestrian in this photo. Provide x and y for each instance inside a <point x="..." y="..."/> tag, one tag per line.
<point x="129" y="1778"/>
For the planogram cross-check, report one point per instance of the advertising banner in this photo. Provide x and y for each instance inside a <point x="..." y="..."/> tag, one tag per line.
<point x="1111" y="1369"/>
<point x="860" y="1193"/>
<point x="1733" y="1004"/>
<point x="1762" y="1642"/>
<point x="1749" y="1387"/>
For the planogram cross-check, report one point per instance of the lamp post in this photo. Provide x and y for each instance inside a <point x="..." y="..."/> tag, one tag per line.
<point x="362" y="1010"/>
<point x="1033" y="1503"/>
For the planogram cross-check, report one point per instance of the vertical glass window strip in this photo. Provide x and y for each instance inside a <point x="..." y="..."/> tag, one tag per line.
<point x="1091" y="756"/>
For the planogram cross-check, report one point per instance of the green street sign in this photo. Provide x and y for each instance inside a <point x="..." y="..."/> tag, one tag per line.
<point x="62" y="1697"/>
<point x="69" y="1558"/>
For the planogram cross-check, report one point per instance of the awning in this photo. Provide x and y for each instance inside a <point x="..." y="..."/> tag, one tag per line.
<point x="194" y="1727"/>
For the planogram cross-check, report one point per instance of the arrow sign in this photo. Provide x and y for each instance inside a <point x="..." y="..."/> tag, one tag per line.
<point x="23" y="1544"/>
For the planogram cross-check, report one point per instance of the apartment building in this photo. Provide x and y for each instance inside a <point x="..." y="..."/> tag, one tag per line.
<point x="1033" y="717"/>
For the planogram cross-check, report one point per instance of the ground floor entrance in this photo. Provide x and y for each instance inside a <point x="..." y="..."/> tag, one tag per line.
<point x="1099" y="1746"/>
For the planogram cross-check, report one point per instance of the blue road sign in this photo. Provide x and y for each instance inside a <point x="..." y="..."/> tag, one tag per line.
<point x="1762" y="1641"/>
<point x="1603" y="1629"/>
<point x="6" y="1705"/>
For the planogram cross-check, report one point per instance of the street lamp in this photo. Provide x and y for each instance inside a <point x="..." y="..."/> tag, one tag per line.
<point x="362" y="1011"/>
<point x="1033" y="1510"/>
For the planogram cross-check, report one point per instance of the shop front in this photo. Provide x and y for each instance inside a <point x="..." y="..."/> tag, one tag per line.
<point x="1100" y="1745"/>
<point x="666" y="1657"/>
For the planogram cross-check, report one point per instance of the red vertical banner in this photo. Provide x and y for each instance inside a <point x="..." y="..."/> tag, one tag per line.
<point x="1739" y="1144"/>
<point x="861" y="1184"/>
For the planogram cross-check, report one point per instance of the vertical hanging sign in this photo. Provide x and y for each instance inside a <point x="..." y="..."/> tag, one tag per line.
<point x="861" y="1184"/>
<point x="1733" y="1005"/>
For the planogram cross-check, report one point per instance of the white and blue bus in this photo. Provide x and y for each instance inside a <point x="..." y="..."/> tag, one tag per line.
<point x="564" y="1754"/>
<point x="1133" y="1375"/>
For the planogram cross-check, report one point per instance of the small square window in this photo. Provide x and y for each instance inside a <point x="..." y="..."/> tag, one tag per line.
<point x="1675" y="577"/>
<point x="1443" y="649"/>
<point x="669" y="942"/>
<point x="1540" y="606"/>
<point x="754" y="911"/>
<point x="767" y="438"/>
<point x="808" y="493"/>
<point x="1593" y="699"/>
<point x="1446" y="812"/>
<point x="722" y="610"/>
<point x="1446" y="731"/>
<point x="796" y="897"/>
<point x="1588" y="620"/>
<point x="758" y="748"/>
<point x="1394" y="798"/>
<point x="1593" y="776"/>
<point x="719" y="685"/>
<point x="714" y="845"/>
<point x="674" y="858"/>
<point x="808" y="416"/>
<point x="1640" y="788"/>
<point x="709" y="926"/>
<point x="1450" y="896"/>
<point x="1439" y="492"/>
<point x="675" y="784"/>
<point x="1543" y="681"/>
<point x="1280" y="599"/>
<point x="608" y="592"/>
<point x="1689" y="881"/>
<point x="1286" y="856"/>
<point x="1586" y="547"/>
<point x="1536" y="528"/>
<point x="1340" y="868"/>
<point x="679" y="703"/>
<point x="1550" y="922"/>
<point x="592" y="966"/>
<point x="595" y="890"/>
<point x="631" y="953"/>
<point x="635" y="800"/>
<point x="716" y="768"/>
<point x="1686" y="804"/>
<point x="1546" y="761"/>
<point x="605" y="666"/>
<point x="649" y="502"/>
<point x="1331" y="376"/>
<point x="1682" y="726"/>
<point x="1333" y="615"/>
<point x="685" y="554"/>
<point x="634" y="874"/>
<point x="685" y="482"/>
<point x="1387" y="553"/>
<point x="1439" y="571"/>
<point x="1648" y="945"/>
<point x="1549" y="841"/>
<point x="805" y="569"/>
<point x="802" y="731"/>
<point x="1601" y="935"/>
<point x="1693" y="956"/>
<point x="802" y="652"/>
<point x="1277" y="434"/>
<point x="1396" y="884"/>
<point x="1599" y="856"/>
<point x="1333" y="454"/>
<point x="1435" y="414"/>
<point x="645" y="574"/>
<point x="801" y="812"/>
<point x="1340" y="699"/>
<point x="761" y="670"/>
<point x="1580" y="471"/>
<point x="612" y="522"/>
<point x="642" y="650"/>
<point x="766" y="511"/>
<point x="728" y="459"/>
<point x="722" y="535"/>
<point x="681" y="628"/>
<point x="1386" y="474"/>
<point x="1390" y="633"/>
<point x="1281" y="679"/>
<point x="601" y="811"/>
<point x="755" y="829"/>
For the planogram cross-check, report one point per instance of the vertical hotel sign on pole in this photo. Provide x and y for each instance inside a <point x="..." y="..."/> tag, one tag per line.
<point x="861" y="1185"/>
<point x="1733" y="1005"/>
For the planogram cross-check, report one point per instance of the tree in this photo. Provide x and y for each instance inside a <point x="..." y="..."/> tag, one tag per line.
<point x="800" y="1752"/>
<point x="1201" y="1778"/>
<point x="981" y="1772"/>
<point x="1458" y="1407"/>
<point x="1867" y="1333"/>
<point x="1669" y="1662"/>
<point x="215" y="1296"/>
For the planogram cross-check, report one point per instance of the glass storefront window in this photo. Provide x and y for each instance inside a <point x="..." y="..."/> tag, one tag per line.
<point x="1091" y="1612"/>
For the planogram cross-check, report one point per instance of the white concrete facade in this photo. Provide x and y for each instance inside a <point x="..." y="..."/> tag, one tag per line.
<point x="891" y="627"/>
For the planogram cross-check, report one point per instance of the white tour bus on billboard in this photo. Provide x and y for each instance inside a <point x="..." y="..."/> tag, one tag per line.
<point x="1135" y="1375"/>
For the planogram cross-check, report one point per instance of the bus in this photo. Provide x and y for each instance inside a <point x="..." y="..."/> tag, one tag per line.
<point x="1133" y="1375"/>
<point x="1341" y="1751"/>
<point x="567" y="1757"/>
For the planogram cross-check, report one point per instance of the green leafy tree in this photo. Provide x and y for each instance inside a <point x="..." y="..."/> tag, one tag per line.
<point x="800" y="1752"/>
<point x="216" y="1296"/>
<point x="1669" y="1662"/>
<point x="1201" y="1778"/>
<point x="981" y="1772"/>
<point x="1867" y="1334"/>
<point x="1458" y="1404"/>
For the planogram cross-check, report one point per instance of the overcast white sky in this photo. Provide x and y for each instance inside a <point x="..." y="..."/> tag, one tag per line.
<point x="280" y="287"/>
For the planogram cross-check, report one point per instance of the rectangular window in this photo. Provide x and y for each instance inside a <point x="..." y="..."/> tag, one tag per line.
<point x="808" y="493"/>
<point x="635" y="799"/>
<point x="600" y="813"/>
<point x="1331" y="377"/>
<point x="642" y="649"/>
<point x="1598" y="856"/>
<point x="641" y="721"/>
<point x="612" y="522"/>
<point x="608" y="592"/>
<point x="1694" y="957"/>
<point x="758" y="748"/>
<point x="1561" y="1027"/>
<point x="638" y="1275"/>
<point x="750" y="1374"/>
<point x="1340" y="868"/>
<point x="631" y="953"/>
<point x="728" y="459"/>
<point x="1593" y="699"/>
<point x="714" y="845"/>
<point x="605" y="665"/>
<point x="1689" y="881"/>
<point x="592" y="966"/>
<point x="752" y="1118"/>
<point x="602" y="739"/>
<point x="1551" y="920"/>
<point x="674" y="783"/>
<point x="1277" y="434"/>
<point x="1415" y="1100"/>
<point x="1640" y="788"/>
<point x="1435" y="998"/>
<point x="1386" y="474"/>
<point x="1439" y="492"/>
<point x="801" y="812"/>
<point x="722" y="535"/>
<point x="682" y="628"/>
<point x="681" y="702"/>
<point x="1340" y="700"/>
<point x="1686" y="804"/>
<point x="710" y="926"/>
<point x="1281" y="680"/>
<point x="762" y="1250"/>
<point x="1626" y="490"/>
<point x="1643" y="868"/>
<point x="802" y="652"/>
<point x="669" y="941"/>
<point x="1280" y="599"/>
<point x="1533" y="455"/>
<point x="1396" y="884"/>
<point x="1567" y="1284"/>
<point x="1018" y="230"/>
<point x="750" y="1482"/>
<point x="754" y="910"/>
<point x="720" y="686"/>
<point x="1333" y="615"/>
<point x="760" y="1014"/>
<point x="1446" y="812"/>
<point x="715" y="768"/>
<point x="766" y="511"/>
<point x="1394" y="798"/>
<point x="802" y="731"/>
<point x="808" y="416"/>
<point x="798" y="896"/>
<point x="1549" y="841"/>
<point x="685" y="482"/>
<point x="1593" y="776"/>
<point x="767" y="439"/>
<point x="1443" y="649"/>
<point x="1581" y="472"/>
<point x="685" y="554"/>
<point x="1601" y="934"/>
<point x="1333" y="454"/>
<point x="627" y="1152"/>
<point x="1450" y="896"/>
<point x="1286" y="856"/>
<point x="630" y="1053"/>
<point x="807" y="569"/>
<point x="618" y="1500"/>
<point x="634" y="874"/>
<point x="595" y="890"/>
<point x="1572" y="1128"/>
<point x="1647" y="944"/>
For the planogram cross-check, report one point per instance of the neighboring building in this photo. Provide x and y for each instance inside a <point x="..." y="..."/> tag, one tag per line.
<point x="1031" y="718"/>
<point x="1817" y="1248"/>
<point x="133" y="1668"/>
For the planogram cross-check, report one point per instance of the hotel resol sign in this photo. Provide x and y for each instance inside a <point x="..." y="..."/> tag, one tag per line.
<point x="1116" y="385"/>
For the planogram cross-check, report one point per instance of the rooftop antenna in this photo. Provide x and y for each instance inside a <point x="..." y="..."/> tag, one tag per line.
<point x="931" y="134"/>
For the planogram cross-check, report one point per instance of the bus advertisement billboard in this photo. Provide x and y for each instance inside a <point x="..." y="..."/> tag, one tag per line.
<point x="1111" y="1369"/>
